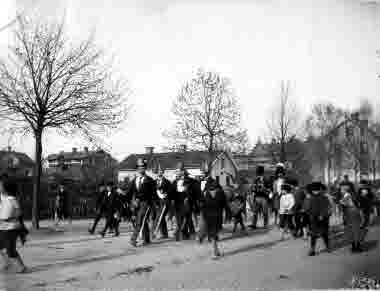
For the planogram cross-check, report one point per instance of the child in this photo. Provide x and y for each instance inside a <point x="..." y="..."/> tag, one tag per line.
<point x="287" y="203"/>
<point x="318" y="208"/>
<point x="237" y="209"/>
<point x="212" y="203"/>
<point x="10" y="226"/>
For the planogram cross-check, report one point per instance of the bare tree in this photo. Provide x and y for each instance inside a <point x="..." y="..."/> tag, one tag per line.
<point x="284" y="124"/>
<point x="48" y="83"/>
<point x="207" y="114"/>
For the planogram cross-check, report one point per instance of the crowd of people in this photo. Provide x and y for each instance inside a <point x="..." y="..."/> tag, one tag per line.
<point x="198" y="209"/>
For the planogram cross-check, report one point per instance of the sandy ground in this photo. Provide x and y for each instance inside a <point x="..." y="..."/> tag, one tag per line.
<point x="74" y="260"/>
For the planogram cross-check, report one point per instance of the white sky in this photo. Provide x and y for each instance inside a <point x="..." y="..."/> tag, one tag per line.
<point x="326" y="48"/>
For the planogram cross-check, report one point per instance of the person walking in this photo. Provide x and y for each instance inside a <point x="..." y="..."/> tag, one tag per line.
<point x="10" y="227"/>
<point x="366" y="201"/>
<point x="261" y="198"/>
<point x="61" y="205"/>
<point x="352" y="216"/>
<point x="212" y="204"/>
<point x="112" y="204"/>
<point x="100" y="207"/>
<point x="142" y="190"/>
<point x="319" y="210"/>
<point x="286" y="210"/>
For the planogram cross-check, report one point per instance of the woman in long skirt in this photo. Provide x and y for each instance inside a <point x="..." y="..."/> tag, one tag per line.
<point x="212" y="204"/>
<point x="352" y="217"/>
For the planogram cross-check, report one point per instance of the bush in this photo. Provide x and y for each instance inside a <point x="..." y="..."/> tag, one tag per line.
<point x="362" y="282"/>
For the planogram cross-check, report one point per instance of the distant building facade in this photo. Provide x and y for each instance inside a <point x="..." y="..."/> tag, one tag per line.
<point x="83" y="165"/>
<point x="16" y="163"/>
<point x="223" y="166"/>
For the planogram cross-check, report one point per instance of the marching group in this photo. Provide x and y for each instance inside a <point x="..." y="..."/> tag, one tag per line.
<point x="202" y="204"/>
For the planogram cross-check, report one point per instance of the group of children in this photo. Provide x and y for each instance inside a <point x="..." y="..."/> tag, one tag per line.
<point x="306" y="212"/>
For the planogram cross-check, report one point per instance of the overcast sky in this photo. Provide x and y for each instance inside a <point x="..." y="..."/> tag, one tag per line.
<point x="326" y="48"/>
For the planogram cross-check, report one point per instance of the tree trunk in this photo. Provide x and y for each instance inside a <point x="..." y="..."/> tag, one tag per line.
<point x="329" y="171"/>
<point x="37" y="179"/>
<point x="283" y="152"/>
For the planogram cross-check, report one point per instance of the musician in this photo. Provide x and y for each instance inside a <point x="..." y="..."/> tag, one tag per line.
<point x="185" y="194"/>
<point x="142" y="192"/>
<point x="261" y="198"/>
<point x="163" y="190"/>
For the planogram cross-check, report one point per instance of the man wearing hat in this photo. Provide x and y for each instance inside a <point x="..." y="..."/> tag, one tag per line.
<point x="112" y="203"/>
<point x="318" y="208"/>
<point x="142" y="191"/>
<point x="185" y="195"/>
<point x="164" y="194"/>
<point x="261" y="198"/>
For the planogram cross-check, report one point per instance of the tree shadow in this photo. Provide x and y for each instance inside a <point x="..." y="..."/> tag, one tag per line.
<point x="248" y="248"/>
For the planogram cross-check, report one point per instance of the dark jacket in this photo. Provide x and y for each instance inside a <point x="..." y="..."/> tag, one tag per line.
<point x="146" y="192"/>
<point x="318" y="205"/>
<point x="365" y="202"/>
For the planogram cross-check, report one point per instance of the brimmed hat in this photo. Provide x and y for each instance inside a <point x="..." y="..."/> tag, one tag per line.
<point x="286" y="187"/>
<point x="141" y="164"/>
<point x="364" y="182"/>
<point x="260" y="170"/>
<point x="315" y="186"/>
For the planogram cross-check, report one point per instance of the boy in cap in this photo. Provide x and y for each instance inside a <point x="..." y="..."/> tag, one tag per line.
<point x="212" y="204"/>
<point x="318" y="208"/>
<point x="286" y="210"/>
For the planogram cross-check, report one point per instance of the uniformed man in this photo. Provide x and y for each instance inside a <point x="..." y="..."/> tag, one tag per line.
<point x="164" y="194"/>
<point x="142" y="190"/>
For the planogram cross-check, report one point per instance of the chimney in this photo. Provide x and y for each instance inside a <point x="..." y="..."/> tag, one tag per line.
<point x="9" y="148"/>
<point x="149" y="150"/>
<point x="74" y="150"/>
<point x="86" y="150"/>
<point x="182" y="148"/>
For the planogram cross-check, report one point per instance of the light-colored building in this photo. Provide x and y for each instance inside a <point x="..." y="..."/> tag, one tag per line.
<point x="354" y="151"/>
<point x="223" y="167"/>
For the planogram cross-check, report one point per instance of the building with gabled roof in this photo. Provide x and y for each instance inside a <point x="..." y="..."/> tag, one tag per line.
<point x="223" y="167"/>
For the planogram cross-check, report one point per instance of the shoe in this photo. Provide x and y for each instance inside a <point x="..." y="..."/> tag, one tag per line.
<point x="311" y="253"/>
<point x="133" y="243"/>
<point x="102" y="233"/>
<point x="90" y="231"/>
<point x="117" y="234"/>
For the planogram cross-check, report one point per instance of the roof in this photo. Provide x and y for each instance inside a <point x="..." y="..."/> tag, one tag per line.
<point x="169" y="160"/>
<point x="76" y="155"/>
<point x="23" y="158"/>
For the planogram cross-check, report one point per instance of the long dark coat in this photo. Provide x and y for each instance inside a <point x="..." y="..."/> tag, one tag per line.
<point x="212" y="204"/>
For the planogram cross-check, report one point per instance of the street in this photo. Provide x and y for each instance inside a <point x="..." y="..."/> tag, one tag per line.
<point x="259" y="260"/>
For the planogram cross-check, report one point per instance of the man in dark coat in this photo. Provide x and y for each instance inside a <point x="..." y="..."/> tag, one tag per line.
<point x="185" y="193"/>
<point x="142" y="190"/>
<point x="261" y="198"/>
<point x="101" y="204"/>
<point x="366" y="201"/>
<point x="318" y="208"/>
<point x="111" y="206"/>
<point x="164" y="194"/>
<point x="212" y="203"/>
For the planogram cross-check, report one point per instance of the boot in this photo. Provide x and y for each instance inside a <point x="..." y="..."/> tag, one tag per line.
<point x="313" y="243"/>
<point x="6" y="261"/>
<point x="21" y="268"/>
<point x="217" y="253"/>
<point x="358" y="247"/>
